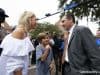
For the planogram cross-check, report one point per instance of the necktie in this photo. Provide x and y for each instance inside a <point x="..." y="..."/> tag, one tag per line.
<point x="65" y="53"/>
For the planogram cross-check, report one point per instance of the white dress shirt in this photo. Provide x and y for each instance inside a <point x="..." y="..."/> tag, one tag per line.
<point x="69" y="37"/>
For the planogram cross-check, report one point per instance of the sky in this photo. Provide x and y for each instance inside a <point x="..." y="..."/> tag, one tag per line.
<point x="14" y="8"/>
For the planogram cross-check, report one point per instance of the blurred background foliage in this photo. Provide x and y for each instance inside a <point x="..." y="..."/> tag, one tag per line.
<point x="45" y="27"/>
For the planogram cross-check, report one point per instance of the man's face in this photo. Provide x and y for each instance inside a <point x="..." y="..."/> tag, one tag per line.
<point x="66" y="23"/>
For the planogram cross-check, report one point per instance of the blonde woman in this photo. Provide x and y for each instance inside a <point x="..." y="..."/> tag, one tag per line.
<point x="17" y="45"/>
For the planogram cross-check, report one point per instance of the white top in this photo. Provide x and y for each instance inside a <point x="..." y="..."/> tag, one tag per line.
<point x="16" y="47"/>
<point x="69" y="37"/>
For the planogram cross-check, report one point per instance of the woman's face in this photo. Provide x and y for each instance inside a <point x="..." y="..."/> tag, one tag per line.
<point x="32" y="22"/>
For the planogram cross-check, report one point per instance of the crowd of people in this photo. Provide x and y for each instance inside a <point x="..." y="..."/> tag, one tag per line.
<point x="74" y="52"/>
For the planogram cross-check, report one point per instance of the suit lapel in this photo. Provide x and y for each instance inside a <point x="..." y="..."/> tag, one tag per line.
<point x="73" y="33"/>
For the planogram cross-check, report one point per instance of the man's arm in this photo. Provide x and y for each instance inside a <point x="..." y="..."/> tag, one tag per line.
<point x="90" y="48"/>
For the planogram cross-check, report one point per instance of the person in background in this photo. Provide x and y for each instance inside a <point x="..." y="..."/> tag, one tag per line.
<point x="44" y="55"/>
<point x="3" y="33"/>
<point x="4" y="26"/>
<point x="17" y="45"/>
<point x="56" y="50"/>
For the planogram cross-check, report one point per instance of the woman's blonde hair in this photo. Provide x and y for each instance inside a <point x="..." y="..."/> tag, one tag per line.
<point x="24" y="19"/>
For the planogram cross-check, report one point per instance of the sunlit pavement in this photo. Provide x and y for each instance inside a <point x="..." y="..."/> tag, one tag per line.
<point x="32" y="70"/>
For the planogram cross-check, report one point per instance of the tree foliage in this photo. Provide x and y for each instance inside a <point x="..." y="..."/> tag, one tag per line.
<point x="61" y="3"/>
<point x="42" y="27"/>
<point x="87" y="8"/>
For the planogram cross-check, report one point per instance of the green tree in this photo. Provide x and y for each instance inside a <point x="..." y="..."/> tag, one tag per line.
<point x="61" y="3"/>
<point x="42" y="27"/>
<point x="87" y="8"/>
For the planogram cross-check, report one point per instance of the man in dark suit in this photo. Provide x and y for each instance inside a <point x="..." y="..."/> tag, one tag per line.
<point x="83" y="55"/>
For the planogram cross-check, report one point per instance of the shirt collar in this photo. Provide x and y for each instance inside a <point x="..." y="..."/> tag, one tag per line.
<point x="71" y="30"/>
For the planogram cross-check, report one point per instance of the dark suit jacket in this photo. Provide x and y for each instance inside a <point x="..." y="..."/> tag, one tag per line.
<point x="82" y="50"/>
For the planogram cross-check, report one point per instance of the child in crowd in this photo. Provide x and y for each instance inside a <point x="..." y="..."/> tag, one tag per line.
<point x="44" y="56"/>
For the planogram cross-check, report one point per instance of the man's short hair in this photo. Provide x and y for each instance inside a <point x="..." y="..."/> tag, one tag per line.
<point x="70" y="16"/>
<point x="2" y="13"/>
